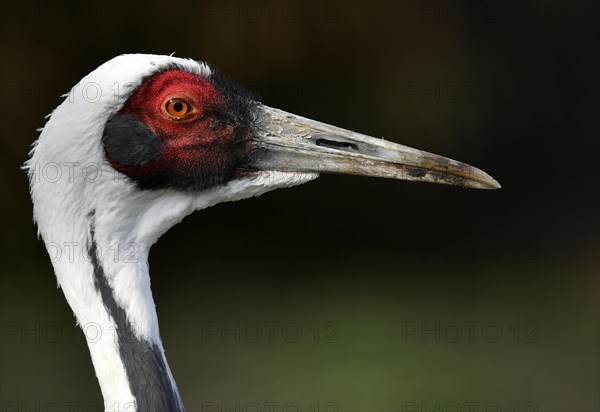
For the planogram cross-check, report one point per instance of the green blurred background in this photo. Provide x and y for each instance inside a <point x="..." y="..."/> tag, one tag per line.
<point x="408" y="297"/>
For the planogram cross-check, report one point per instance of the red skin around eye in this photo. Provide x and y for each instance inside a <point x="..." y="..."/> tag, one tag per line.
<point x="190" y="141"/>
<point x="204" y="148"/>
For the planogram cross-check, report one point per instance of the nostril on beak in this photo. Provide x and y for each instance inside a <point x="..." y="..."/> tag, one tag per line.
<point x="334" y="144"/>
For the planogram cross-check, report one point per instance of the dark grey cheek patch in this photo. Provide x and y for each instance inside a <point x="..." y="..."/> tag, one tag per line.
<point x="129" y="142"/>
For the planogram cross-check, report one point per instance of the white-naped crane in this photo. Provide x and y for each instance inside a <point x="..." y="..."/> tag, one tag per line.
<point x="143" y="141"/>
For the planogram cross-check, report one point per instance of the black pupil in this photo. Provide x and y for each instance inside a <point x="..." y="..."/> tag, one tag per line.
<point x="178" y="106"/>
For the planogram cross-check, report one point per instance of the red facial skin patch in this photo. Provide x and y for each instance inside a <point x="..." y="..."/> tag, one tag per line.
<point x="201" y="148"/>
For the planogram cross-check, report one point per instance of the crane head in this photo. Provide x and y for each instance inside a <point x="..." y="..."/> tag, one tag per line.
<point x="190" y="131"/>
<point x="165" y="130"/>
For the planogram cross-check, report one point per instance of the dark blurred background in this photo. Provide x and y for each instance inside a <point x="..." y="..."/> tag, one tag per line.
<point x="348" y="293"/>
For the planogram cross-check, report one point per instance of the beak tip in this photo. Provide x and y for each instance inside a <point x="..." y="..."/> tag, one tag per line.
<point x="490" y="183"/>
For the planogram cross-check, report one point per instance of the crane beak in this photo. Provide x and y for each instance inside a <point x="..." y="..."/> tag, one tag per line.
<point x="290" y="143"/>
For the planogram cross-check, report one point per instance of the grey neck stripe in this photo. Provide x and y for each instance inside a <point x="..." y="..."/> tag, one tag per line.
<point x="143" y="361"/>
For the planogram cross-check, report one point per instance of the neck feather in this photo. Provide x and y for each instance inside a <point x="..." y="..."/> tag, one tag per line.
<point x="107" y="285"/>
<point x="148" y="375"/>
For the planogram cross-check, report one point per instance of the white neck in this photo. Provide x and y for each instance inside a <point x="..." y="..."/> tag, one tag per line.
<point x="103" y="232"/>
<point x="106" y="282"/>
<point x="98" y="234"/>
<point x="98" y="228"/>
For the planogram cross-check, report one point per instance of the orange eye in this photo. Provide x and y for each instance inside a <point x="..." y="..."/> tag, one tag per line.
<point x="177" y="108"/>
